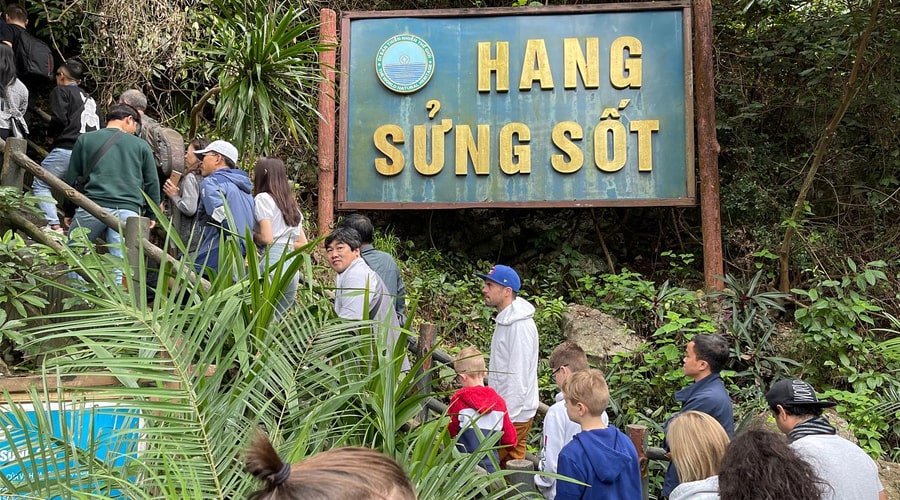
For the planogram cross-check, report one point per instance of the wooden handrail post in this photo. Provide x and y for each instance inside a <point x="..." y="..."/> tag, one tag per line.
<point x="137" y="230"/>
<point x="13" y="174"/>
<point x="427" y="334"/>
<point x="521" y="479"/>
<point x="638" y="436"/>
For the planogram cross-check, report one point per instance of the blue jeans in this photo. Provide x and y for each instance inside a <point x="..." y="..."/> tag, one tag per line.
<point x="113" y="237"/>
<point x="57" y="163"/>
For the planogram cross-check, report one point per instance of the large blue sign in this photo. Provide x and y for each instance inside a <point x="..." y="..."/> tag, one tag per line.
<point x="101" y="431"/>
<point x="588" y="106"/>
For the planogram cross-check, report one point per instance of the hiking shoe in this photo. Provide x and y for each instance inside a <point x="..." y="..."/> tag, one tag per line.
<point x="58" y="230"/>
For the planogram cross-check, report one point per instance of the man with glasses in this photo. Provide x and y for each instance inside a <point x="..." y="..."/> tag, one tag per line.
<point x="357" y="286"/>
<point x="226" y="203"/>
<point x="116" y="168"/>
<point x="565" y="360"/>
<point x="382" y="263"/>
<point x="514" y="354"/>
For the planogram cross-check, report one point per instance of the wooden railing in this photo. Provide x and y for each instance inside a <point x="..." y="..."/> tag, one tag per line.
<point x="137" y="229"/>
<point x="523" y="477"/>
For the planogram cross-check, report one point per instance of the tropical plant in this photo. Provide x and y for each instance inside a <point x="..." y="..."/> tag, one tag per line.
<point x="839" y="320"/>
<point x="200" y="371"/>
<point x="264" y="58"/>
<point x="20" y="293"/>
<point x="870" y="427"/>
<point x="749" y="317"/>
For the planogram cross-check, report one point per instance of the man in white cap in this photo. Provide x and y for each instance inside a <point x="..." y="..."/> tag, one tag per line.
<point x="850" y="474"/>
<point x="514" y="354"/>
<point x="222" y="186"/>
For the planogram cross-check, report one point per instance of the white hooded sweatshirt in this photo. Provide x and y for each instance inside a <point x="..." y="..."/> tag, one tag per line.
<point x="514" y="356"/>
<point x="704" y="489"/>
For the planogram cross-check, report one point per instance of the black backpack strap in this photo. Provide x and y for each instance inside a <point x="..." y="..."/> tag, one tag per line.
<point x="100" y="152"/>
<point x="82" y="180"/>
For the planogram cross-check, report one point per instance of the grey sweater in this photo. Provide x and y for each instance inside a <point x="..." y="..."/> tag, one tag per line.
<point x="14" y="105"/>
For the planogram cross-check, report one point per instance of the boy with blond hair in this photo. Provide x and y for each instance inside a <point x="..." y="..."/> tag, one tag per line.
<point x="476" y="406"/>
<point x="565" y="360"/>
<point x="600" y="455"/>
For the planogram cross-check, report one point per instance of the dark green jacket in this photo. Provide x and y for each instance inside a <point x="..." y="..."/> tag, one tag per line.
<point x="121" y="175"/>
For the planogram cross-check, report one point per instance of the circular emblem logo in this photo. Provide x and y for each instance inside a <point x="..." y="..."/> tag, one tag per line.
<point x="404" y="63"/>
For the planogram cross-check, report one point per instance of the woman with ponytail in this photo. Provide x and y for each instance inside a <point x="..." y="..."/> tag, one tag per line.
<point x="338" y="474"/>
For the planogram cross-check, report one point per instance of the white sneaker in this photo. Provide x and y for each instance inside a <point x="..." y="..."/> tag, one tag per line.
<point x="59" y="230"/>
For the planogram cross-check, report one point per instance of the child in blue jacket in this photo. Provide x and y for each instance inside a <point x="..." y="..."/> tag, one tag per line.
<point x="600" y="455"/>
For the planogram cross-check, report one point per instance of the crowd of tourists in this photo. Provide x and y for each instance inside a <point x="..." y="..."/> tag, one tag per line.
<point x="493" y="412"/>
<point x="211" y="200"/>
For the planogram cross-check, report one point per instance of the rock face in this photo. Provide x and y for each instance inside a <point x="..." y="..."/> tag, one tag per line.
<point x="890" y="478"/>
<point x="599" y="334"/>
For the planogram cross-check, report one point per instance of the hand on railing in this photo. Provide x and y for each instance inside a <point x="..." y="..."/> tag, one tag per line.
<point x="655" y="453"/>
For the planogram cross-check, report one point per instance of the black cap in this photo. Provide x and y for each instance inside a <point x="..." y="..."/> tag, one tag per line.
<point x="795" y="392"/>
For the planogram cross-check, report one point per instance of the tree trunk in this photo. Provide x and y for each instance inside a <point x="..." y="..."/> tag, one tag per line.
<point x="850" y="91"/>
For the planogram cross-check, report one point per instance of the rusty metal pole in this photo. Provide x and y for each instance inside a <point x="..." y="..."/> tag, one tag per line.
<point x="707" y="145"/>
<point x="327" y="91"/>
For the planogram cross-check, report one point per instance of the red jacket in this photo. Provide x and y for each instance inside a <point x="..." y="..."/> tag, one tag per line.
<point x="485" y="405"/>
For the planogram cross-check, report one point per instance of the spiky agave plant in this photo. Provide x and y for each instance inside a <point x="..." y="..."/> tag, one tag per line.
<point x="264" y="56"/>
<point x="200" y="371"/>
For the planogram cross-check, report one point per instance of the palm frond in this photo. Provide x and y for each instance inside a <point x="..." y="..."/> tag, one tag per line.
<point x="200" y="370"/>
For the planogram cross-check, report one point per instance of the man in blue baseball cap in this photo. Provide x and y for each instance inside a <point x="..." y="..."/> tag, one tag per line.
<point x="512" y="371"/>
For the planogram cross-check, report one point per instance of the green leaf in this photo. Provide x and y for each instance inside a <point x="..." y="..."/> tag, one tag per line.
<point x="844" y="359"/>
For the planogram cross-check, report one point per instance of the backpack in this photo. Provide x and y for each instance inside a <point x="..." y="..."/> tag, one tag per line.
<point x="167" y="146"/>
<point x="33" y="56"/>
